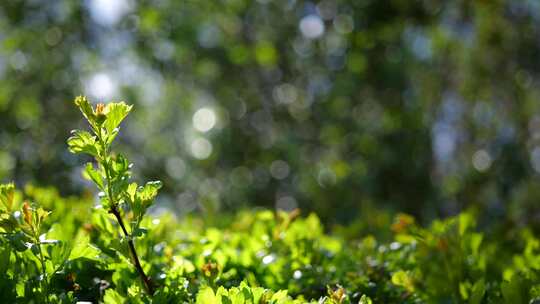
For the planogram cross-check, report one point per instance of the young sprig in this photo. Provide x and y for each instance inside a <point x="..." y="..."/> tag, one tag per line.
<point x="112" y="173"/>
<point x="24" y="231"/>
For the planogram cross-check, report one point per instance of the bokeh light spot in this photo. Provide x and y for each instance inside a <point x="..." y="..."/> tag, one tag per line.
<point x="535" y="159"/>
<point x="204" y="119"/>
<point x="311" y="26"/>
<point x="108" y="12"/>
<point x="101" y="86"/>
<point x="279" y="169"/>
<point x="286" y="203"/>
<point x="481" y="160"/>
<point x="201" y="148"/>
<point x="175" y="167"/>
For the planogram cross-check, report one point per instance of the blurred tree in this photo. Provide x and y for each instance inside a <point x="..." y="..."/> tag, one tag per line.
<point x="424" y="107"/>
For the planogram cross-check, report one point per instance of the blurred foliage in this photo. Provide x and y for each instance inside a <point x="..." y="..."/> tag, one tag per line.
<point x="262" y="257"/>
<point x="332" y="106"/>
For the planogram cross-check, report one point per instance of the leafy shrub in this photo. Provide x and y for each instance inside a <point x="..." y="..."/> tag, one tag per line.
<point x="64" y="250"/>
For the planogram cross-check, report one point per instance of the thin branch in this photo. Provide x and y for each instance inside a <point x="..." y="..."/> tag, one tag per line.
<point x="146" y="281"/>
<point x="114" y="210"/>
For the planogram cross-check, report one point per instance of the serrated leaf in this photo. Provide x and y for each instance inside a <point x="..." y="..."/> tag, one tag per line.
<point x="280" y="296"/>
<point x="115" y="112"/>
<point x="7" y="192"/>
<point x="149" y="192"/>
<point x="402" y="278"/>
<point x="59" y="252"/>
<point x="132" y="191"/>
<point x="94" y="175"/>
<point x="83" y="142"/>
<point x="120" y="166"/>
<point x="365" y="300"/>
<point x="83" y="249"/>
<point x="84" y="106"/>
<point x="206" y="296"/>
<point x="113" y="297"/>
<point x="257" y="294"/>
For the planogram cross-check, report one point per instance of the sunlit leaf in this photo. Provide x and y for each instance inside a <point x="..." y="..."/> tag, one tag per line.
<point x="86" y="109"/>
<point x="7" y="192"/>
<point x="365" y="300"/>
<point x="115" y="112"/>
<point x="206" y="296"/>
<point x="149" y="192"/>
<point x="83" y="142"/>
<point x="83" y="249"/>
<point x="94" y="175"/>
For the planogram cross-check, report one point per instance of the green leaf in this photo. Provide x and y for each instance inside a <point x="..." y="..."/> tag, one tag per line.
<point x="225" y="300"/>
<point x="120" y="167"/>
<point x="280" y="296"/>
<point x="83" y="249"/>
<point x="113" y="297"/>
<point x="478" y="291"/>
<point x="515" y="291"/>
<point x="257" y="294"/>
<point x="8" y="222"/>
<point x="94" y="175"/>
<point x="402" y="278"/>
<point x="18" y="241"/>
<point x="143" y="197"/>
<point x="206" y="296"/>
<point x="59" y="252"/>
<point x="365" y="300"/>
<point x="115" y="112"/>
<point x="7" y="192"/>
<point x="149" y="192"/>
<point x="86" y="109"/>
<point x="83" y="142"/>
<point x="132" y="191"/>
<point x="5" y="253"/>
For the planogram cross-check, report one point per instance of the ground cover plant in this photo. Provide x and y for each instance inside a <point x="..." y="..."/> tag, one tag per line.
<point x="107" y="248"/>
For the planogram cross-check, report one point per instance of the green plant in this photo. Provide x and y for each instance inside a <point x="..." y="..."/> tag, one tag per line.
<point x="128" y="202"/>
<point x="35" y="253"/>
<point x="74" y="253"/>
<point x="24" y="228"/>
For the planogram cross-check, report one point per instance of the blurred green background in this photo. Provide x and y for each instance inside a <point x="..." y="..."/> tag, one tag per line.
<point x="337" y="107"/>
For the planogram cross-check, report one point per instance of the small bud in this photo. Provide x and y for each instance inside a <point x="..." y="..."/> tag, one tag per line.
<point x="27" y="212"/>
<point x="338" y="295"/>
<point x="401" y="223"/>
<point x="100" y="113"/>
<point x="100" y="109"/>
<point x="88" y="227"/>
<point x="210" y="269"/>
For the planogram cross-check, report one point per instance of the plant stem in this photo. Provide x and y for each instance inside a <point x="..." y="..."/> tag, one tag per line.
<point x="146" y="281"/>
<point x="114" y="210"/>
<point x="43" y="271"/>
